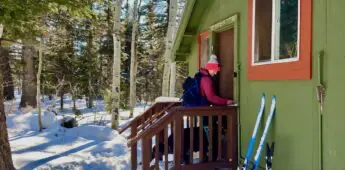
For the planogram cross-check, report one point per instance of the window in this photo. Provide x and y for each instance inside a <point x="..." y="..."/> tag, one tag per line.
<point x="279" y="39"/>
<point x="276" y="31"/>
<point x="204" y="48"/>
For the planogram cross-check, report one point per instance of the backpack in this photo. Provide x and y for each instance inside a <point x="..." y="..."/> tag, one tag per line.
<point x="192" y="93"/>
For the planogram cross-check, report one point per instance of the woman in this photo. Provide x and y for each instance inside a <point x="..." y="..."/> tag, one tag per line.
<point x="206" y="85"/>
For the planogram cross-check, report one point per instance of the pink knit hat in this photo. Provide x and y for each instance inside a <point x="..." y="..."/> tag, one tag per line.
<point x="213" y="64"/>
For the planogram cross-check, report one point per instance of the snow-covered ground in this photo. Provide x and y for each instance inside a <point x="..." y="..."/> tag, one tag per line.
<point x="91" y="145"/>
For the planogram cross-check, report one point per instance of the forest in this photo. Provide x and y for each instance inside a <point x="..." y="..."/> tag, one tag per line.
<point x="62" y="52"/>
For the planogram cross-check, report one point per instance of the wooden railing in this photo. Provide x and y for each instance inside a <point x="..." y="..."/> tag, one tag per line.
<point x="155" y="111"/>
<point x="215" y="141"/>
<point x="141" y="122"/>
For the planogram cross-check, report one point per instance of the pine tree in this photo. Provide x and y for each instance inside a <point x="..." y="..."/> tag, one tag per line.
<point x="6" y="69"/>
<point x="5" y="149"/>
<point x="151" y="49"/>
<point x="29" y="79"/>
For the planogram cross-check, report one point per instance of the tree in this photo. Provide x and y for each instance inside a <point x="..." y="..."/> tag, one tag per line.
<point x="134" y="57"/>
<point x="5" y="149"/>
<point x="29" y="79"/>
<point x="116" y="66"/>
<point x="172" y="92"/>
<point x="168" y="46"/>
<point x="38" y="96"/>
<point x="6" y="69"/>
<point x="24" y="20"/>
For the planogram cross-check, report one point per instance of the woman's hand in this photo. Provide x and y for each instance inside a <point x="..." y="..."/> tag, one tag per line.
<point x="229" y="102"/>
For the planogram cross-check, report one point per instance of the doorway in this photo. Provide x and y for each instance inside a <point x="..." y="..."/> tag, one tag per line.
<point x="225" y="53"/>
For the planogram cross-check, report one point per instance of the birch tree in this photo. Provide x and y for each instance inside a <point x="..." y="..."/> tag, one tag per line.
<point x="168" y="46"/>
<point x="38" y="95"/>
<point x="134" y="65"/>
<point x="116" y="66"/>
<point x="1" y="29"/>
<point x="172" y="92"/>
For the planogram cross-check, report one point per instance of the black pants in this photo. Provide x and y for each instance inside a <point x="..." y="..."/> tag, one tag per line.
<point x="215" y="132"/>
<point x="186" y="144"/>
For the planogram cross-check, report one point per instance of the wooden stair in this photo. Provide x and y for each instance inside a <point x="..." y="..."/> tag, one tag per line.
<point x="172" y="118"/>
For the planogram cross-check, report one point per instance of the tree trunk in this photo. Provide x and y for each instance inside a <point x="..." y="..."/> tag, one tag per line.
<point x="74" y="106"/>
<point x="116" y="66"/>
<point x="1" y="30"/>
<point x="90" y="96"/>
<point x="91" y="65"/>
<point x="29" y="78"/>
<point x="5" y="149"/>
<point x="168" y="46"/>
<point x="173" y="80"/>
<point x="61" y="102"/>
<point x="134" y="65"/>
<point x="38" y="97"/>
<point x="6" y="69"/>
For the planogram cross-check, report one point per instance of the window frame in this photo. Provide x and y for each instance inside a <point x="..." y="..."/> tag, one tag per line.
<point x="298" y="67"/>
<point x="275" y="35"/>
<point x="201" y="37"/>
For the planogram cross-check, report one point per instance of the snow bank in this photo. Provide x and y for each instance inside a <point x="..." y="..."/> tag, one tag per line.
<point x="167" y="99"/>
<point x="10" y="106"/>
<point x="93" y="132"/>
<point x="29" y="121"/>
<point x="84" y="147"/>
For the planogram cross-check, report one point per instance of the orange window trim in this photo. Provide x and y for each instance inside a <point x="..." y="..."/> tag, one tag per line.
<point x="201" y="37"/>
<point x="298" y="70"/>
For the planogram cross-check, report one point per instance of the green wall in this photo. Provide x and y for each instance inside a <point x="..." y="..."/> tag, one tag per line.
<point x="333" y="25"/>
<point x="295" y="128"/>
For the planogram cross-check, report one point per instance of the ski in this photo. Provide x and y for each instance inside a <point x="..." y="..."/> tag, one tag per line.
<point x="269" y="156"/>
<point x="253" y="139"/>
<point x="264" y="135"/>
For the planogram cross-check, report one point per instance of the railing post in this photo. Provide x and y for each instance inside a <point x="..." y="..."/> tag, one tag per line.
<point x="177" y="141"/>
<point x="219" y="138"/>
<point x="234" y="137"/>
<point x="134" y="146"/>
<point x="201" y="139"/>
<point x="166" y="145"/>
<point x="146" y="153"/>
<point x="229" y="137"/>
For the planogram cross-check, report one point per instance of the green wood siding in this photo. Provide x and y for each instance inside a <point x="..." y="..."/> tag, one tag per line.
<point x="334" y="115"/>
<point x="295" y="128"/>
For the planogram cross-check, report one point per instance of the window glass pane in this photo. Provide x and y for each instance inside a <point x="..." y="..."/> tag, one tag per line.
<point x="263" y="30"/>
<point x="288" y="29"/>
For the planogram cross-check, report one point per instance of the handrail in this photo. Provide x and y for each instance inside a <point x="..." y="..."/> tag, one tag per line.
<point x="146" y="113"/>
<point x="156" y="116"/>
<point x="184" y="111"/>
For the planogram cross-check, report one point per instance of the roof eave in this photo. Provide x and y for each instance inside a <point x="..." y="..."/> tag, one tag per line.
<point x="188" y="9"/>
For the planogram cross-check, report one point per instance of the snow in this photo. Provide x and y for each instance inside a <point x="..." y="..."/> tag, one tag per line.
<point x="167" y="99"/>
<point x="91" y="145"/>
<point x="93" y="132"/>
<point x="29" y="121"/>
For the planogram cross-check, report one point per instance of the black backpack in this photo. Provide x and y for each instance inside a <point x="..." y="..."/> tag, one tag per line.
<point x="192" y="93"/>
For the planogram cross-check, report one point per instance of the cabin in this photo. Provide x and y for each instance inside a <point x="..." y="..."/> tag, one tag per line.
<point x="291" y="49"/>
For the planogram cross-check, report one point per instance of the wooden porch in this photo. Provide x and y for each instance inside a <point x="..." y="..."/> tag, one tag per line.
<point x="179" y="132"/>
